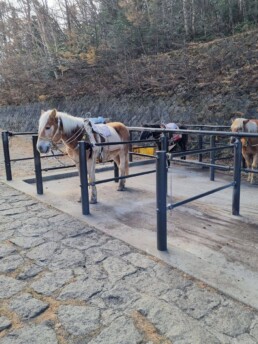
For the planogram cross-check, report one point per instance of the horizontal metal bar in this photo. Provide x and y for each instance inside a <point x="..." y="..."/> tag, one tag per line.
<point x="56" y="168"/>
<point x="206" y="126"/>
<point x="140" y="154"/>
<point x="172" y="206"/>
<point x="197" y="151"/>
<point x="21" y="159"/>
<point x="197" y="132"/>
<point x="248" y="170"/>
<point x="13" y="133"/>
<point x="219" y="167"/>
<point x="124" y="177"/>
<point x="123" y="142"/>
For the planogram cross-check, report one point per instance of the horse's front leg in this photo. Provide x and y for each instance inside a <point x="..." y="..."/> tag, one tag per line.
<point x="74" y="155"/>
<point x="91" y="164"/>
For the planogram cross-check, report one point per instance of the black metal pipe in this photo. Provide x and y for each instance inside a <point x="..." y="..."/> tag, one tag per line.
<point x="212" y="158"/>
<point x="22" y="159"/>
<point x="191" y="162"/>
<point x="116" y="172"/>
<point x="249" y="170"/>
<point x="130" y="147"/>
<point x="196" y="151"/>
<point x="172" y="206"/>
<point x="163" y="142"/>
<point x="123" y="177"/>
<point x="57" y="168"/>
<point x="203" y="132"/>
<point x="84" y="178"/>
<point x="200" y="145"/>
<point x="161" y="201"/>
<point x="145" y="155"/>
<point x="13" y="133"/>
<point x="123" y="142"/>
<point x="37" y="164"/>
<point x="237" y="177"/>
<point x="7" y="161"/>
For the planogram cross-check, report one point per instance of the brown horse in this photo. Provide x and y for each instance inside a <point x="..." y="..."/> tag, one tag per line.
<point x="57" y="126"/>
<point x="249" y="144"/>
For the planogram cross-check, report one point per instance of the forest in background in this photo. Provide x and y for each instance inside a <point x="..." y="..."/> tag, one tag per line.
<point x="72" y="48"/>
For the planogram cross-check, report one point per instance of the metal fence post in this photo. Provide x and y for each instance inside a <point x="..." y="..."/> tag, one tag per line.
<point x="161" y="201"/>
<point x="237" y="177"/>
<point x="131" y="147"/>
<point x="164" y="142"/>
<point x="7" y="162"/>
<point x="84" y="178"/>
<point x="200" y="145"/>
<point x="37" y="164"/>
<point x="212" y="158"/>
<point x="116" y="172"/>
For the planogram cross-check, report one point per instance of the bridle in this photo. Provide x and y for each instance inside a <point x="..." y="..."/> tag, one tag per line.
<point x="59" y="131"/>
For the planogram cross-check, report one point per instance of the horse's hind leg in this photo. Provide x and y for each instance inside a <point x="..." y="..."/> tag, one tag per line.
<point x="121" y="181"/>
<point x="254" y="167"/>
<point x="248" y="161"/>
<point x="122" y="162"/>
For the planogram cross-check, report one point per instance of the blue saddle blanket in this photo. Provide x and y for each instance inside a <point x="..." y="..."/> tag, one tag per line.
<point x="97" y="120"/>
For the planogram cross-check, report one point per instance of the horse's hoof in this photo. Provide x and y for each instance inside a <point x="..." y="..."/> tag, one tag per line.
<point x="121" y="188"/>
<point x="93" y="201"/>
<point x="79" y="200"/>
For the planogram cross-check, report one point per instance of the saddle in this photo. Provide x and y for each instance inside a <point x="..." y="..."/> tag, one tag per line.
<point x="97" y="133"/>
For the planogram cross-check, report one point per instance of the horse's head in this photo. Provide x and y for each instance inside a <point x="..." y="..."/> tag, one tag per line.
<point x="145" y="135"/>
<point x="49" y="130"/>
<point x="238" y="125"/>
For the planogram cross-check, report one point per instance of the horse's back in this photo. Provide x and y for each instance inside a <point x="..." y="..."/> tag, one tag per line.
<point x="120" y="129"/>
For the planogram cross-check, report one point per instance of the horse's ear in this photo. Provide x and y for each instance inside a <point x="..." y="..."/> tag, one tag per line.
<point x="53" y="113"/>
<point x="42" y="111"/>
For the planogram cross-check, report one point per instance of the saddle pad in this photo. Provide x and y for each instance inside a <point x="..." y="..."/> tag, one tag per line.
<point x="101" y="129"/>
<point x="97" y="120"/>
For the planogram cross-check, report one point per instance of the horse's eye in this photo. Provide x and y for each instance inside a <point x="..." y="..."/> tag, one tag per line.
<point x="48" y="127"/>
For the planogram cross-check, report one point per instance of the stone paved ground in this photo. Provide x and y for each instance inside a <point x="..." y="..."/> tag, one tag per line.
<point x="64" y="282"/>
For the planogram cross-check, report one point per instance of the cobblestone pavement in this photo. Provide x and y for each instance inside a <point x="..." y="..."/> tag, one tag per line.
<point x="64" y="282"/>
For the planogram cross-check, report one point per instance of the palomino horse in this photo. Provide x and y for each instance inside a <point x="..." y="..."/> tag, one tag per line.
<point x="249" y="144"/>
<point x="57" y="126"/>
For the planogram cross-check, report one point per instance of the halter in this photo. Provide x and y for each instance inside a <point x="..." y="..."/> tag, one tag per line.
<point x="58" y="130"/>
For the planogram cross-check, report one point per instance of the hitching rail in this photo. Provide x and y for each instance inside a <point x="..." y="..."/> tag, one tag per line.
<point x="8" y="160"/>
<point x="161" y="174"/>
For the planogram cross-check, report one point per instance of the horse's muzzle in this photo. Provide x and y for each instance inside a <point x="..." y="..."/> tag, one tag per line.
<point x="43" y="146"/>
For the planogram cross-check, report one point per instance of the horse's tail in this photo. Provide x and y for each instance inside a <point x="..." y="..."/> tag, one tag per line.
<point x="121" y="129"/>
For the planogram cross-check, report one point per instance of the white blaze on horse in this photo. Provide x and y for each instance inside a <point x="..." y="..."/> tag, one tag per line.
<point x="55" y="126"/>
<point x="249" y="144"/>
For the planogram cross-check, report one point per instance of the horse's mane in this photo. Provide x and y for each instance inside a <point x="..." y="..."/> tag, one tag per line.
<point x="69" y="122"/>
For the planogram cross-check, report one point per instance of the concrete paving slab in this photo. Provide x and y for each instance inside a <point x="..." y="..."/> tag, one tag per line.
<point x="204" y="239"/>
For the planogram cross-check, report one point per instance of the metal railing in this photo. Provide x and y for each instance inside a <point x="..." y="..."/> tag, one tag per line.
<point x="161" y="173"/>
<point x="36" y="157"/>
